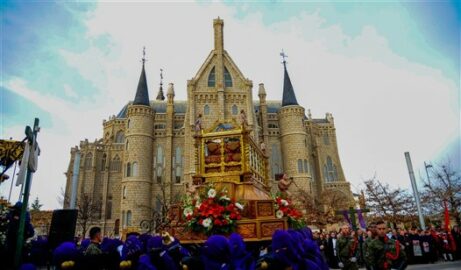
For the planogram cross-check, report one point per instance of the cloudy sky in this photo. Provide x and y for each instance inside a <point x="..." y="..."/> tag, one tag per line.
<point x="389" y="72"/>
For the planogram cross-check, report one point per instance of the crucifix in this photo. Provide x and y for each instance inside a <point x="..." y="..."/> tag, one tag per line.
<point x="283" y="55"/>
<point x="143" y="60"/>
<point x="351" y="211"/>
<point x="31" y="137"/>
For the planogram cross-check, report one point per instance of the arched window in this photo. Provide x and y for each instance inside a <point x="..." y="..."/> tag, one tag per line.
<point x="227" y="78"/>
<point x="126" y="145"/>
<point x="103" y="162"/>
<point x="235" y="110"/>
<point x="123" y="219"/>
<point x="109" y="208"/>
<point x="330" y="170"/>
<point x="128" y="218"/>
<point x="128" y="170"/>
<point x="206" y="109"/>
<point x="134" y="169"/>
<point x="306" y="166"/>
<point x="115" y="164"/>
<point x="88" y="161"/>
<point x="276" y="161"/>
<point x="300" y="166"/>
<point x="159" y="164"/>
<point x="212" y="78"/>
<point x="128" y="124"/>
<point x="178" y="165"/>
<point x="120" y="137"/>
<point x="124" y="193"/>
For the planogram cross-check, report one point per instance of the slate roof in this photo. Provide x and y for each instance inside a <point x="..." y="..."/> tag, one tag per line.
<point x="289" y="97"/>
<point x="142" y="93"/>
<point x="158" y="106"/>
<point x="181" y="107"/>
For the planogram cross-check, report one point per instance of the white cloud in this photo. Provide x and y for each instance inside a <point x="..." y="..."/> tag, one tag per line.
<point x="69" y="91"/>
<point x="383" y="104"/>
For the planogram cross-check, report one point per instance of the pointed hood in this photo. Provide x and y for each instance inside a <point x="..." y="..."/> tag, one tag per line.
<point x="289" y="97"/>
<point x="142" y="94"/>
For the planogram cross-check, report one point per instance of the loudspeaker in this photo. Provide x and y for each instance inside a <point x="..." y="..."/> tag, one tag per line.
<point x="62" y="227"/>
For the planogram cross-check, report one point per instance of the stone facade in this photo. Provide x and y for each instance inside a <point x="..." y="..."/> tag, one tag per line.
<point x="147" y="153"/>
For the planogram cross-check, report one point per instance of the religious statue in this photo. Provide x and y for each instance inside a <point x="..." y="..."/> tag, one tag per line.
<point x="198" y="124"/>
<point x="263" y="147"/>
<point x="191" y="190"/>
<point x="243" y="119"/>
<point x="284" y="184"/>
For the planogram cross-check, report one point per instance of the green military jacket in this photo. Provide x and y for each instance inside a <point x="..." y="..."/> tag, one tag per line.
<point x="386" y="253"/>
<point x="347" y="250"/>
<point x="366" y="251"/>
<point x="92" y="249"/>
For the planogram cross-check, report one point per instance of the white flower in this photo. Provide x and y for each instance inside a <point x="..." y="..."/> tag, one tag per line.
<point x="211" y="193"/>
<point x="206" y="222"/>
<point x="284" y="202"/>
<point x="279" y="214"/>
<point x="224" y="198"/>
<point x="239" y="206"/>
<point x="188" y="211"/>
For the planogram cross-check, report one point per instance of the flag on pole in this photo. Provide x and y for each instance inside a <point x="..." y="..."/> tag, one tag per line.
<point x="447" y="216"/>
<point x="346" y="217"/>
<point x="361" y="219"/>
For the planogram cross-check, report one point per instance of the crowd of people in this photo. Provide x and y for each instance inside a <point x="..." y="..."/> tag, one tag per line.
<point x="416" y="246"/>
<point x="375" y="248"/>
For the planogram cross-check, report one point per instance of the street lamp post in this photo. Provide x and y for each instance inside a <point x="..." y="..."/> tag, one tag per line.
<point x="415" y="190"/>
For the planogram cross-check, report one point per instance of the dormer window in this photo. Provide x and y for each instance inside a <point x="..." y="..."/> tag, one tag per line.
<point x="227" y="78"/>
<point x="212" y="78"/>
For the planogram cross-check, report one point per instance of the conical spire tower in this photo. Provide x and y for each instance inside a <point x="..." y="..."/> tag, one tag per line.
<point x="289" y="97"/>
<point x="142" y="93"/>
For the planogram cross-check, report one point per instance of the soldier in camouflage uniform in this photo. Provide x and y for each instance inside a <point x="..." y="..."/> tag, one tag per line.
<point x="93" y="256"/>
<point x="386" y="253"/>
<point x="347" y="249"/>
<point x="371" y="234"/>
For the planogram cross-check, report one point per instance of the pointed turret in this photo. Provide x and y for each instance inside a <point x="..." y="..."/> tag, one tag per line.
<point x="142" y="93"/>
<point x="160" y="95"/>
<point x="289" y="97"/>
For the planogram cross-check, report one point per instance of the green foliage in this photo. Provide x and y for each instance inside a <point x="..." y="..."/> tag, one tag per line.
<point x="36" y="206"/>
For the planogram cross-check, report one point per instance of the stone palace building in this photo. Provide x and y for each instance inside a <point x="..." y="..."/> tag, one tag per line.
<point x="147" y="151"/>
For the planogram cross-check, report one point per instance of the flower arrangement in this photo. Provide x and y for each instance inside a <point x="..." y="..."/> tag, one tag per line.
<point x="285" y="208"/>
<point x="212" y="212"/>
